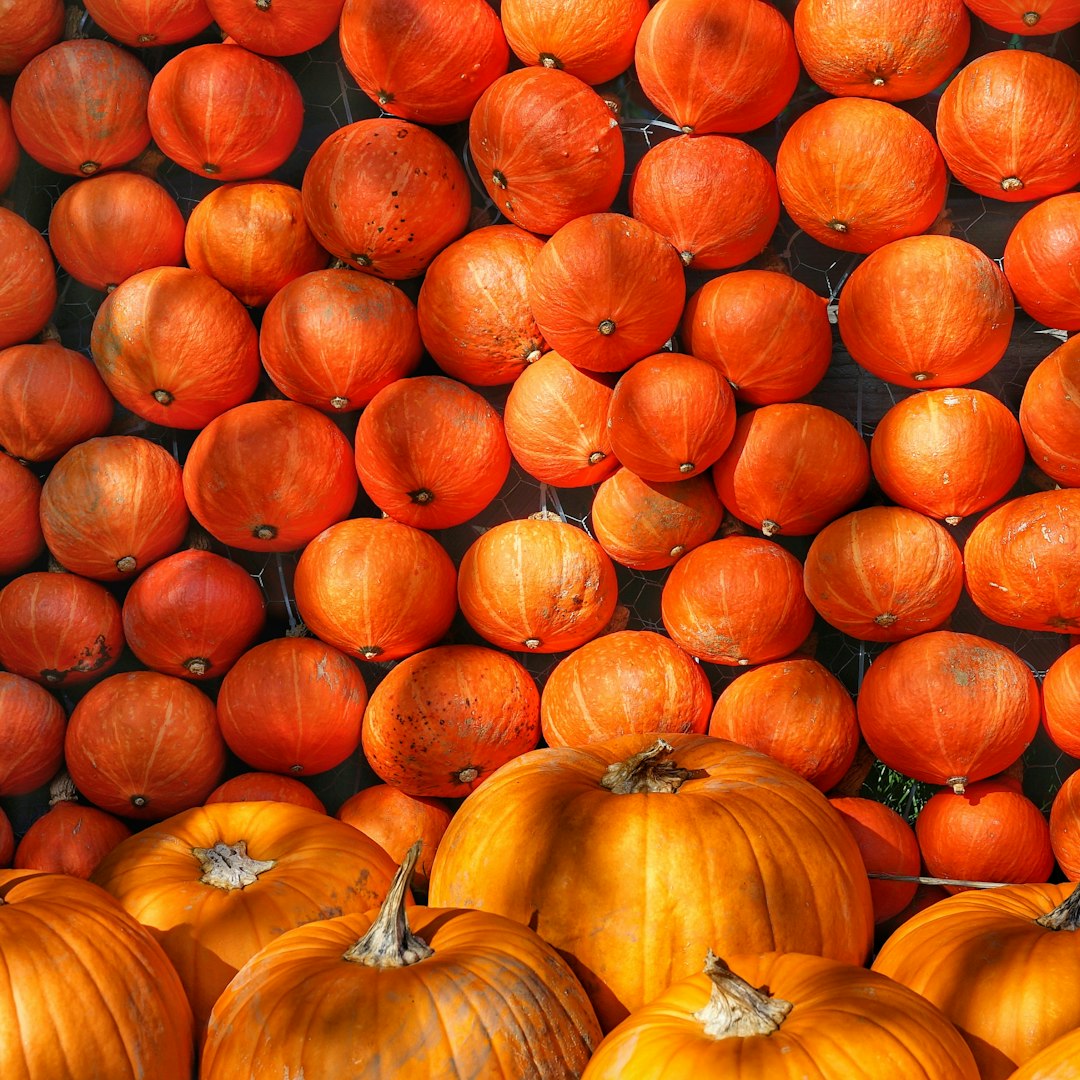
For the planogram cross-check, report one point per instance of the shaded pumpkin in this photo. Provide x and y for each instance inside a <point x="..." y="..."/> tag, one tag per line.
<point x="1027" y="17"/>
<point x="144" y="24"/>
<point x="27" y="29"/>
<point x="7" y="840"/>
<point x="1065" y="826"/>
<point x="276" y="29"/>
<point x="27" y="280"/>
<point x="32" y="724"/>
<point x="1050" y="415"/>
<point x="1060" y="1059"/>
<point x="21" y="541"/>
<point x="1042" y="260"/>
<point x="265" y="787"/>
<point x="10" y="151"/>
<point x="1061" y="701"/>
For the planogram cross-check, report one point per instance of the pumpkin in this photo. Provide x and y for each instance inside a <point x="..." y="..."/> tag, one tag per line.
<point x="114" y="1004"/>
<point x="1060" y="1059"/>
<point x="555" y="419"/>
<point x="1008" y="125"/>
<point x="292" y="705"/>
<point x="546" y="148"/>
<point x="1061" y="701"/>
<point x="51" y="398"/>
<point x="536" y="585"/>
<point x="926" y="311"/>
<point x="252" y="238"/>
<point x="948" y="708"/>
<point x="650" y="525"/>
<point x="1040" y="261"/>
<point x="265" y="787"/>
<point x="992" y="832"/>
<point x="431" y="991"/>
<point x="246" y="143"/>
<point x="947" y="453"/>
<point x="737" y="601"/>
<point x="423" y="60"/>
<point x="994" y="960"/>
<point x="430" y="452"/>
<point x="880" y="50"/>
<point x="624" y="683"/>
<point x="713" y="197"/>
<point x="7" y="840"/>
<point x="855" y="173"/>
<point x="607" y="290"/>
<point x="376" y="589"/>
<point x="269" y="476"/>
<point x="175" y="347"/>
<point x="144" y="745"/>
<point x="113" y="505"/>
<point x="1065" y="826"/>
<point x="473" y="306"/>
<point x="27" y="29"/>
<point x="385" y="196"/>
<point x="1027" y="17"/>
<point x="27" y="280"/>
<point x="144" y="24"/>
<point x="720" y="1023"/>
<point x="444" y="719"/>
<point x="10" y="151"/>
<point x="21" y="541"/>
<point x="333" y="339"/>
<point x="80" y="106"/>
<point x="884" y="573"/>
<point x="395" y="820"/>
<point x="714" y="822"/>
<point x="32" y="724"/>
<point x="68" y="838"/>
<point x="192" y="614"/>
<point x="59" y="629"/>
<point x="791" y="468"/>
<point x="797" y="712"/>
<point x="216" y="883"/>
<point x="767" y="333"/>
<point x="276" y="29"/>
<point x="1050" y="417"/>
<point x="113" y="225"/>
<point x="1020" y="562"/>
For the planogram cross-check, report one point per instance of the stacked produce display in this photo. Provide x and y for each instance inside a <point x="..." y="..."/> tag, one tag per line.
<point x="539" y="539"/>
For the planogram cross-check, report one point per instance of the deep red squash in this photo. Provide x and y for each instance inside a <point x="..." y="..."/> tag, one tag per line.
<point x="27" y="29"/>
<point x="276" y="29"/>
<point x="1050" y="415"/>
<point x="1042" y="261"/>
<point x="144" y="24"/>
<point x="1027" y="17"/>
<point x="21" y="541"/>
<point x="1061" y="701"/>
<point x="10" y="151"/>
<point x="32" y="724"/>
<point x="27" y="280"/>
<point x="7" y="840"/>
<point x="265" y="787"/>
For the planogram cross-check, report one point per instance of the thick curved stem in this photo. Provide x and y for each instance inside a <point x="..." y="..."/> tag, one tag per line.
<point x="228" y="866"/>
<point x="736" y="1009"/>
<point x="1066" y="916"/>
<point x="644" y="773"/>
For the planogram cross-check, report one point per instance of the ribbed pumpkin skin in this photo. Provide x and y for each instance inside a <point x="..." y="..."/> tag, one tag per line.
<point x="537" y="585"/>
<point x="269" y="476"/>
<point x="386" y="196"/>
<point x="884" y="573"/>
<point x="856" y="173"/>
<point x="792" y="468"/>
<point x="945" y="706"/>
<point x="175" y="347"/>
<point x="59" y="629"/>
<point x="423" y="60"/>
<point x="891" y="52"/>
<point x="321" y="868"/>
<point x="493" y="1001"/>
<point x="1009" y="125"/>
<point x="473" y="306"/>
<point x="945" y="954"/>
<point x="711" y="829"/>
<point x="797" y="712"/>
<point x="375" y="588"/>
<point x="144" y="24"/>
<point x="113" y="505"/>
<point x="533" y="136"/>
<point x="1060" y="1060"/>
<point x="265" y="787"/>
<point x="624" y="683"/>
<point x="647" y="525"/>
<point x="80" y="106"/>
<point x="32" y="724"/>
<point x="27" y="29"/>
<point x="1050" y="415"/>
<point x="333" y="339"/>
<point x="69" y="839"/>
<point x="897" y="1033"/>
<point x="1042" y="261"/>
<point x="717" y="65"/>
<point x="768" y="333"/>
<point x="1065" y="826"/>
<point x="1061" y="701"/>
<point x="1027" y="17"/>
<point x="555" y="418"/>
<point x="10" y="151"/>
<point x="27" y="280"/>
<point x="220" y="111"/>
<point x="276" y="29"/>
<point x="926" y="311"/>
<point x="947" y="453"/>
<point x="1020" y="562"/>
<point x="114" y="1004"/>
<point x="737" y="601"/>
<point x="20" y="495"/>
<point x="713" y="197"/>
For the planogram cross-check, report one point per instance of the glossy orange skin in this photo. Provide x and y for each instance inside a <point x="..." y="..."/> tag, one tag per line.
<point x="1015" y="17"/>
<point x="10" y="151"/>
<point x="175" y="347"/>
<point x="605" y="921"/>
<point x="113" y="1002"/>
<point x="1059" y="1060"/>
<point x="423" y="60"/>
<point x="20" y="495"/>
<point x="1061" y="701"/>
<point x="69" y="839"/>
<point x="27" y="280"/>
<point x="1050" y="415"/>
<point x="147" y="23"/>
<point x="277" y="29"/>
<point x="32" y="724"/>
<point x="1065" y="826"/>
<point x="946" y="705"/>
<point x="265" y="787"/>
<point x="1042" y="261"/>
<point x="27" y="29"/>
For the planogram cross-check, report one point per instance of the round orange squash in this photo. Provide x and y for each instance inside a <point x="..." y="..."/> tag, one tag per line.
<point x="1042" y="261"/>
<point x="27" y="280"/>
<point x="276" y="29"/>
<point x="1061" y="701"/>
<point x="32" y="724"/>
<point x="144" y="24"/>
<point x="22" y="541"/>
<point x="1060" y="1059"/>
<point x="265" y="787"/>
<point x="10" y="151"/>
<point x="1027" y="17"/>
<point x="1050" y="415"/>
<point x="1065" y="826"/>
<point x="27" y="29"/>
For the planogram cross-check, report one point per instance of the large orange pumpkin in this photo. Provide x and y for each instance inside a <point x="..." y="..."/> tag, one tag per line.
<point x="1050" y="415"/>
<point x="27" y="280"/>
<point x="1060" y="1059"/>
<point x="1042" y="261"/>
<point x="22" y="541"/>
<point x="32" y="724"/>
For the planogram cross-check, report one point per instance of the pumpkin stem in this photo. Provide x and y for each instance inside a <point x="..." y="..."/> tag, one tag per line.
<point x="263" y="5"/>
<point x="1030" y="18"/>
<point x="1012" y="183"/>
<point x="886" y="618"/>
<point x="162" y="397"/>
<point x="687" y="467"/>
<point x="499" y="179"/>
<point x="549" y="61"/>
<point x="770" y="527"/>
<point x="467" y="775"/>
<point x="126" y="564"/>
<point x="422" y="496"/>
<point x="62" y="789"/>
<point x="369" y="652"/>
<point x="643" y="773"/>
<point x="607" y="327"/>
<point x="837" y="226"/>
<point x="735" y="1008"/>
<point x="264" y="532"/>
<point x="676" y="551"/>
<point x="88" y="168"/>
<point x="339" y="402"/>
<point x="1066" y="916"/>
<point x="228" y="867"/>
<point x="953" y="519"/>
<point x="687" y="257"/>
<point x="390" y="943"/>
<point x="533" y="354"/>
<point x="197" y="666"/>
<point x="958" y="784"/>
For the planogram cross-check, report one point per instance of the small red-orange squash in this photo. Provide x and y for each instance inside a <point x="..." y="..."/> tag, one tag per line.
<point x="27" y="280"/>
<point x="144" y="24"/>
<point x="1027" y="17"/>
<point x="276" y="29"/>
<point x="1042" y="261"/>
<point x="265" y="787"/>
<point x="10" y="151"/>
<point x="1061" y="701"/>
<point x="1065" y="826"/>
<point x="27" y="29"/>
<point x="21" y="541"/>
<point x="1050" y="415"/>
<point x="32" y="724"/>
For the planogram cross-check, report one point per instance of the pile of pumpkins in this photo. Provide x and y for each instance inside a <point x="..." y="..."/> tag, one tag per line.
<point x="605" y="813"/>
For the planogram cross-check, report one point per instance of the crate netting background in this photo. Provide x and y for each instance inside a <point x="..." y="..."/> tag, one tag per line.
<point x="332" y="100"/>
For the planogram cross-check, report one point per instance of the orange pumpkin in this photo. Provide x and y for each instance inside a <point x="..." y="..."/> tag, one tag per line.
<point x="276" y="29"/>
<point x="265" y="787"/>
<point x="32" y="725"/>
<point x="27" y="29"/>
<point x="1060" y="1059"/>
<point x="1065" y="826"/>
<point x="20" y="495"/>
<point x="1050" y="415"/>
<point x="1061" y="701"/>
<point x="1027" y="17"/>
<point x="7" y="840"/>
<point x="10" y="151"/>
<point x="27" y="280"/>
<point x="1042" y="261"/>
<point x="144" y="24"/>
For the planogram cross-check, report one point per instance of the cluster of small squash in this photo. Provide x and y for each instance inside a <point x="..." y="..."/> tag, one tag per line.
<point x="625" y="873"/>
